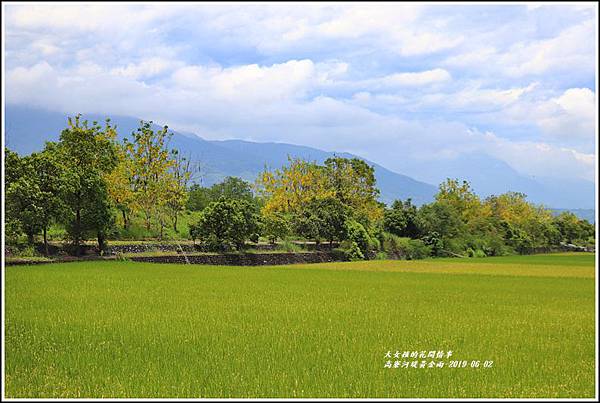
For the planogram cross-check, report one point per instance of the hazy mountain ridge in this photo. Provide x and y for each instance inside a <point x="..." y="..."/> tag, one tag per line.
<point x="28" y="128"/>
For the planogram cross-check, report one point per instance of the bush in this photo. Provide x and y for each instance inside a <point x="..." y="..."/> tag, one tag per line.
<point x="381" y="255"/>
<point x="351" y="250"/>
<point x="289" y="246"/>
<point x="405" y="248"/>
<point x="276" y="226"/>
<point x="121" y="257"/>
<point x="479" y="253"/>
<point x="226" y="224"/>
<point x="359" y="235"/>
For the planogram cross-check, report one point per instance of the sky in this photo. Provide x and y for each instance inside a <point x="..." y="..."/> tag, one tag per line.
<point x="402" y="84"/>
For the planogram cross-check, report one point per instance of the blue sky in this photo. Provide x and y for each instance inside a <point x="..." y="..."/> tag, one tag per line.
<point x="404" y="85"/>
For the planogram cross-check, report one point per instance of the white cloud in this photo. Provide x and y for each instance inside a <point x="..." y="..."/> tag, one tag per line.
<point x="146" y="68"/>
<point x="378" y="80"/>
<point x="568" y="51"/>
<point x="573" y="114"/>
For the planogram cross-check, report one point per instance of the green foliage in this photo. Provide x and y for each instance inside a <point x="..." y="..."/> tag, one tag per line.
<point x="382" y="255"/>
<point x="571" y="229"/>
<point x="358" y="234"/>
<point x="87" y="154"/>
<point x="231" y="188"/>
<point x="226" y="224"/>
<point x="442" y="218"/>
<point x="322" y="219"/>
<point x="353" y="184"/>
<point x="32" y="198"/>
<point x="198" y="197"/>
<point x="276" y="226"/>
<point x="351" y="250"/>
<point x="435" y="242"/>
<point x="406" y="248"/>
<point x="289" y="246"/>
<point x="401" y="219"/>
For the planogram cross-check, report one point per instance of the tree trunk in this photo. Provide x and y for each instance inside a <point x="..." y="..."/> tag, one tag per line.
<point x="30" y="238"/>
<point x="46" y="241"/>
<point x="175" y="223"/>
<point x="125" y="223"/>
<point x="77" y="238"/>
<point x="101" y="243"/>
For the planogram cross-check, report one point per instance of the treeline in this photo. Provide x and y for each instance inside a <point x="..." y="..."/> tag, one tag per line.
<point x="337" y="201"/>
<point x="82" y="181"/>
<point x="89" y="181"/>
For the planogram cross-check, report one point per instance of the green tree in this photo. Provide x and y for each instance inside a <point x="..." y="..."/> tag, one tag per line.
<point x="354" y="185"/>
<point x="226" y="224"/>
<point x="232" y="188"/>
<point x="401" y="219"/>
<point x="323" y="219"/>
<point x="571" y="228"/>
<point x="198" y="197"/>
<point x="276" y="226"/>
<point x="48" y="173"/>
<point x="356" y="233"/>
<point x="461" y="197"/>
<point x="176" y="190"/>
<point x="151" y="168"/>
<point x="442" y="218"/>
<point x="87" y="155"/>
<point x="23" y="203"/>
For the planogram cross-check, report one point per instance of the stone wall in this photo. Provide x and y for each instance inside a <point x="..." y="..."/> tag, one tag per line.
<point x="246" y="259"/>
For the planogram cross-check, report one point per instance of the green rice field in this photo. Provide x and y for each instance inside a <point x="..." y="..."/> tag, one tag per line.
<point x="126" y="329"/>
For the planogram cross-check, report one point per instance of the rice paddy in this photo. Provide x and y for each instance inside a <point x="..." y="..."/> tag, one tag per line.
<point x="127" y="329"/>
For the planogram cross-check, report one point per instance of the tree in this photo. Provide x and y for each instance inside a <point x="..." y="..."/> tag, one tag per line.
<point x="87" y="155"/>
<point x="151" y="170"/>
<point x="120" y="184"/>
<point x="461" y="197"/>
<point x="23" y="203"/>
<point x="176" y="191"/>
<point x="323" y="219"/>
<point x="198" y="197"/>
<point x="442" y="218"/>
<point x="353" y="183"/>
<point x="356" y="233"/>
<point x="289" y="189"/>
<point x="232" y="188"/>
<point x="571" y="228"/>
<point x="524" y="224"/>
<point x="13" y="167"/>
<point x="226" y="224"/>
<point x="276" y="226"/>
<point x="401" y="219"/>
<point x="48" y="173"/>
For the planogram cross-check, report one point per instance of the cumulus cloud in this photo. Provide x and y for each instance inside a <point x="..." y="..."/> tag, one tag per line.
<point x="401" y="84"/>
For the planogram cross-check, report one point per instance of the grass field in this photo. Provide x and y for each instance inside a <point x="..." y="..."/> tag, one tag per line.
<point x="125" y="329"/>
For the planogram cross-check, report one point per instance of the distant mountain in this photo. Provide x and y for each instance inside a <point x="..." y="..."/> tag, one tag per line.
<point x="488" y="176"/>
<point x="584" y="214"/>
<point x="27" y="130"/>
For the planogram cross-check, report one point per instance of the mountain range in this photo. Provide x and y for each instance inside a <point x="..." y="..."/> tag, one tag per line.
<point x="27" y="129"/>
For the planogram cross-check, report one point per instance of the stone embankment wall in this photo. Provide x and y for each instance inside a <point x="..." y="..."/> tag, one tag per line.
<point x="246" y="259"/>
<point x="232" y="259"/>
